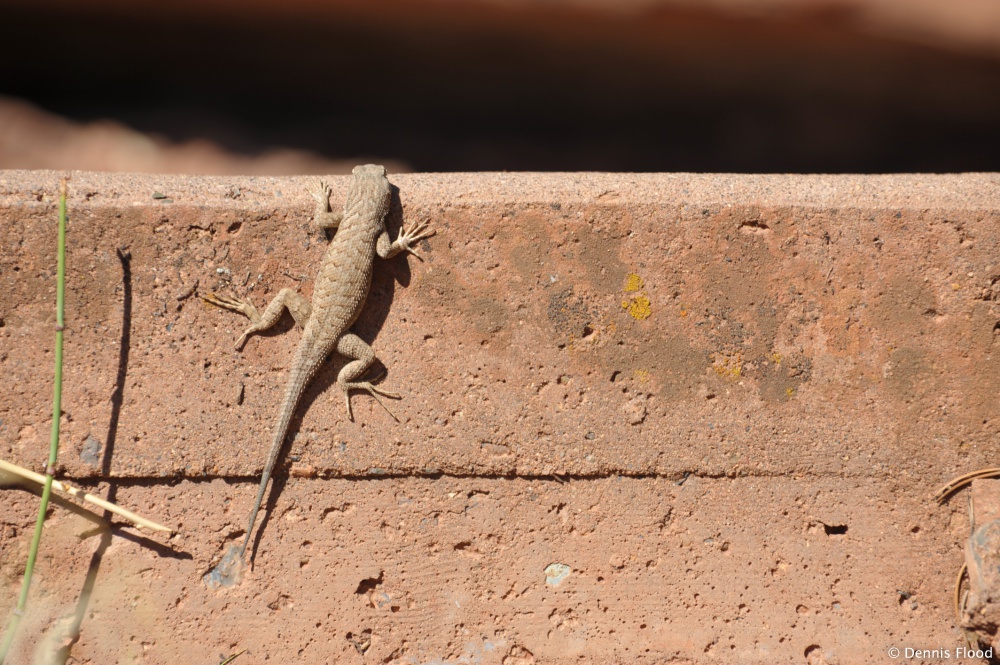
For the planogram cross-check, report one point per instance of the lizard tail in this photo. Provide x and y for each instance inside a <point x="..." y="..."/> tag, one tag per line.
<point x="303" y="368"/>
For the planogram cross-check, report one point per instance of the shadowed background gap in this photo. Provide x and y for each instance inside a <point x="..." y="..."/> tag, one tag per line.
<point x="471" y="87"/>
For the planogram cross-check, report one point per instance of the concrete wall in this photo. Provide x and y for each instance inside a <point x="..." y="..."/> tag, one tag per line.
<point x="723" y="401"/>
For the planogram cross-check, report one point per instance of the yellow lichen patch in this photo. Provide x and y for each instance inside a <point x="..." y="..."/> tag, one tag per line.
<point x="789" y="391"/>
<point x="728" y="365"/>
<point x="642" y="375"/>
<point x="776" y="358"/>
<point x="633" y="283"/>
<point x="638" y="307"/>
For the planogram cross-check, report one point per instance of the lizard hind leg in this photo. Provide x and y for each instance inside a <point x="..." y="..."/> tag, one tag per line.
<point x="294" y="302"/>
<point x="362" y="356"/>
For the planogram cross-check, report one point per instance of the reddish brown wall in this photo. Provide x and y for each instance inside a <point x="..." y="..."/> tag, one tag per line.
<point x="684" y="387"/>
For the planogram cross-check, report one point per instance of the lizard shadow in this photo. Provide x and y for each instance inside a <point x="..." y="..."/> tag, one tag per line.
<point x="278" y="483"/>
<point x="368" y="326"/>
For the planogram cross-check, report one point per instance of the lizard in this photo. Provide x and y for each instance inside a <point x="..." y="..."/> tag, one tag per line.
<point x="339" y="294"/>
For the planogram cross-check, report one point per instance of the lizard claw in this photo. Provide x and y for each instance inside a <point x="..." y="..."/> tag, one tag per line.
<point x="420" y="231"/>
<point x="322" y="193"/>
<point x="371" y="390"/>
<point x="414" y="234"/>
<point x="347" y="401"/>
<point x="219" y="300"/>
<point x="244" y="307"/>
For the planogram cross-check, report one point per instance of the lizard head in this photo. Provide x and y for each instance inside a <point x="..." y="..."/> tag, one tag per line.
<point x="370" y="184"/>
<point x="369" y="169"/>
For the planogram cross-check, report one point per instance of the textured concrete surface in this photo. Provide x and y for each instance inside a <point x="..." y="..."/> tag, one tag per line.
<point x="452" y="570"/>
<point x="722" y="401"/>
<point x="567" y="324"/>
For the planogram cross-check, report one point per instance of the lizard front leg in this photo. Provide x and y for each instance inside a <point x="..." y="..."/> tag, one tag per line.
<point x="404" y="242"/>
<point x="297" y="306"/>
<point x="324" y="217"/>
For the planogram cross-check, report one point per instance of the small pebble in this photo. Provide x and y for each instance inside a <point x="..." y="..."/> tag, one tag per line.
<point x="555" y="573"/>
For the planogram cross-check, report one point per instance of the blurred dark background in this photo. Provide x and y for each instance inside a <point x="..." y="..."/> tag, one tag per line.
<point x="303" y="86"/>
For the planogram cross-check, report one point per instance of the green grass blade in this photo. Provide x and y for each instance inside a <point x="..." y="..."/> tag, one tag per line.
<point x="29" y="568"/>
